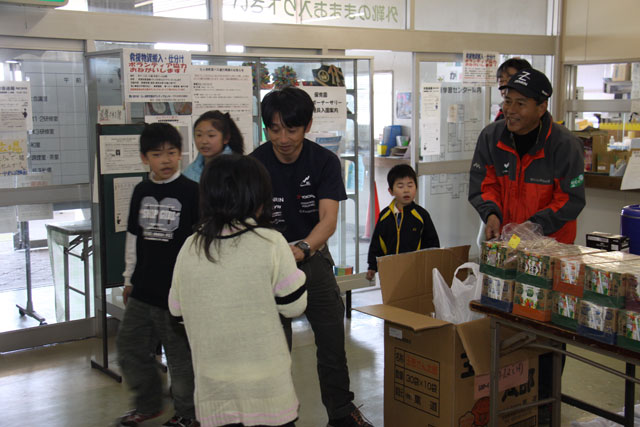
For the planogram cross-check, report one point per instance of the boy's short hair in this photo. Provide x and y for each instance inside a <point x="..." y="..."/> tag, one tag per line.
<point x="294" y="105"/>
<point x="155" y="135"/>
<point x="401" y="171"/>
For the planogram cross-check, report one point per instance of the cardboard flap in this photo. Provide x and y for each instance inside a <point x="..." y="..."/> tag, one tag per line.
<point x="476" y="340"/>
<point x="409" y="275"/>
<point x="415" y="321"/>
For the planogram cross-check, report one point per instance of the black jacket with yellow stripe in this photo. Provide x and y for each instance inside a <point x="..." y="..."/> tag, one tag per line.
<point x="413" y="231"/>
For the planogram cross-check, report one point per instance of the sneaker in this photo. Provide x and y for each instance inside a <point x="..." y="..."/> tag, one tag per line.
<point x="134" y="418"/>
<point x="354" y="419"/>
<point x="178" y="421"/>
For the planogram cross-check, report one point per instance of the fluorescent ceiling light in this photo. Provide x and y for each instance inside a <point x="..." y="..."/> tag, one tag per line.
<point x="143" y="3"/>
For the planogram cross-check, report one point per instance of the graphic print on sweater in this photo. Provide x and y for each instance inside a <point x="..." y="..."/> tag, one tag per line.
<point x="159" y="219"/>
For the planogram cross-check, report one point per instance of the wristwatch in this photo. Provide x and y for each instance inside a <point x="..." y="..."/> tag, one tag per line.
<point x="304" y="247"/>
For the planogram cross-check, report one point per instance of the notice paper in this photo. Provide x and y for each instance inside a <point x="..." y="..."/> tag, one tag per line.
<point x="122" y="191"/>
<point x="631" y="178"/>
<point x="120" y="154"/>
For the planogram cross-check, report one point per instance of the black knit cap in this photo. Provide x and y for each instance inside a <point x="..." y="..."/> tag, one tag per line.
<point x="531" y="83"/>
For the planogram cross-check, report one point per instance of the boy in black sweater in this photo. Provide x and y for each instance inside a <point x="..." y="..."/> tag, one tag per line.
<point x="403" y="226"/>
<point x="162" y="214"/>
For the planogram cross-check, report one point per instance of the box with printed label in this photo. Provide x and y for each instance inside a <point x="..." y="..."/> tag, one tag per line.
<point x="497" y="292"/>
<point x="532" y="301"/>
<point x="565" y="309"/>
<point x="536" y="266"/>
<point x="598" y="322"/>
<point x="436" y="373"/>
<point x="568" y="275"/>
<point x="607" y="241"/>
<point x="629" y="329"/>
<point x="604" y="283"/>
<point x="498" y="259"/>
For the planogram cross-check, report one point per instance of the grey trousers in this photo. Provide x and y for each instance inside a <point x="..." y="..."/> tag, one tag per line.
<point x="141" y="329"/>
<point x="325" y="313"/>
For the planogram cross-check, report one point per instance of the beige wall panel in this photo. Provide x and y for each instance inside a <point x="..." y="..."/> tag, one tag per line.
<point x="316" y="37"/>
<point x="574" y="39"/>
<point x="46" y="23"/>
<point x="602" y="31"/>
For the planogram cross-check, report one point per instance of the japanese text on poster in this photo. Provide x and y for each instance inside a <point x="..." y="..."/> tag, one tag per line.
<point x="15" y="106"/>
<point x="120" y="154"/>
<point x="228" y="89"/>
<point x="330" y="108"/>
<point x="154" y="75"/>
<point x="430" y="106"/>
<point x="13" y="153"/>
<point x="122" y="191"/>
<point x="480" y="68"/>
<point x="111" y="114"/>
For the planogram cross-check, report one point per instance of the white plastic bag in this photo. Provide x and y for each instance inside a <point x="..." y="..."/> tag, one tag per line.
<point x="452" y="304"/>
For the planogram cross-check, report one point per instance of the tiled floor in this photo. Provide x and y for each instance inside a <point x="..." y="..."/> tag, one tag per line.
<point x="55" y="386"/>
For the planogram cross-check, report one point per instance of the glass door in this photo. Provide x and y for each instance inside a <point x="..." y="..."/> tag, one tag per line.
<point x="45" y="238"/>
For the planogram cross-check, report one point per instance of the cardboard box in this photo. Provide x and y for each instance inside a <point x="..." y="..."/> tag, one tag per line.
<point x="621" y="72"/>
<point x="607" y="241"/>
<point x="432" y="367"/>
<point x="597" y="141"/>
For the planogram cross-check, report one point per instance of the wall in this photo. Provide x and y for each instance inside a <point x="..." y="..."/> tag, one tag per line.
<point x="602" y="31"/>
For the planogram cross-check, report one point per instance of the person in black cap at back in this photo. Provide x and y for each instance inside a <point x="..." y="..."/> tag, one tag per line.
<point x="528" y="168"/>
<point x="507" y="69"/>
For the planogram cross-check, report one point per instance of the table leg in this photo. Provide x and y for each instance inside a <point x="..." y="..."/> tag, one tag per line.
<point x="556" y="388"/>
<point x="87" y="285"/>
<point x="65" y="263"/>
<point x="348" y="307"/>
<point x="493" y="380"/>
<point x="629" y="396"/>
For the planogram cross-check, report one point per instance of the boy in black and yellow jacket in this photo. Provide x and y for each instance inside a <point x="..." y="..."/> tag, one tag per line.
<point x="403" y="226"/>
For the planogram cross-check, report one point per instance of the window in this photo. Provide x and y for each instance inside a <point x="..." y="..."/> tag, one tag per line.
<point x="382" y="102"/>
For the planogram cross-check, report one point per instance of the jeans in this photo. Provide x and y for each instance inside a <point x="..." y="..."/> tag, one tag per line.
<point x="325" y="313"/>
<point x="141" y="329"/>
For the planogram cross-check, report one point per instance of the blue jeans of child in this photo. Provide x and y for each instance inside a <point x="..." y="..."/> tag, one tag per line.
<point x="325" y="313"/>
<point x="142" y="328"/>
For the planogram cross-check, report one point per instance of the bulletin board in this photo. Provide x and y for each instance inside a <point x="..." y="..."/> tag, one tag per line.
<point x="110" y="173"/>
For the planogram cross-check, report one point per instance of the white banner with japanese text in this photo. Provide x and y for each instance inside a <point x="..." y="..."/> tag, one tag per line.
<point x="479" y="68"/>
<point x="156" y="75"/>
<point x="330" y="112"/>
<point x="227" y="88"/>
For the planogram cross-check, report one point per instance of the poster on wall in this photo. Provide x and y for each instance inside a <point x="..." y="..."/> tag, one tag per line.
<point x="111" y="114"/>
<point x="15" y="106"/>
<point x="403" y="105"/>
<point x="228" y="89"/>
<point x="13" y="153"/>
<point x="330" y="111"/>
<point x="479" y="68"/>
<point x="156" y="75"/>
<point x="120" y="154"/>
<point x="430" y="105"/>
<point x="183" y="124"/>
<point x="122" y="192"/>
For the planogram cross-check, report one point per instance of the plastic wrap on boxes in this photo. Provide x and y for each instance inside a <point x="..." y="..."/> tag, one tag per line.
<point x="536" y="265"/>
<point x="631" y="282"/>
<point x="629" y="329"/>
<point x="568" y="274"/>
<point x="497" y="292"/>
<point x="498" y="259"/>
<point x="618" y="256"/>
<point x="598" y="322"/>
<point x="564" y="311"/>
<point x="604" y="283"/>
<point x="532" y="302"/>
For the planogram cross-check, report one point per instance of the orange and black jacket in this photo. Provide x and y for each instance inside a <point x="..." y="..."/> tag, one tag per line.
<point x="408" y="231"/>
<point x="545" y="186"/>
